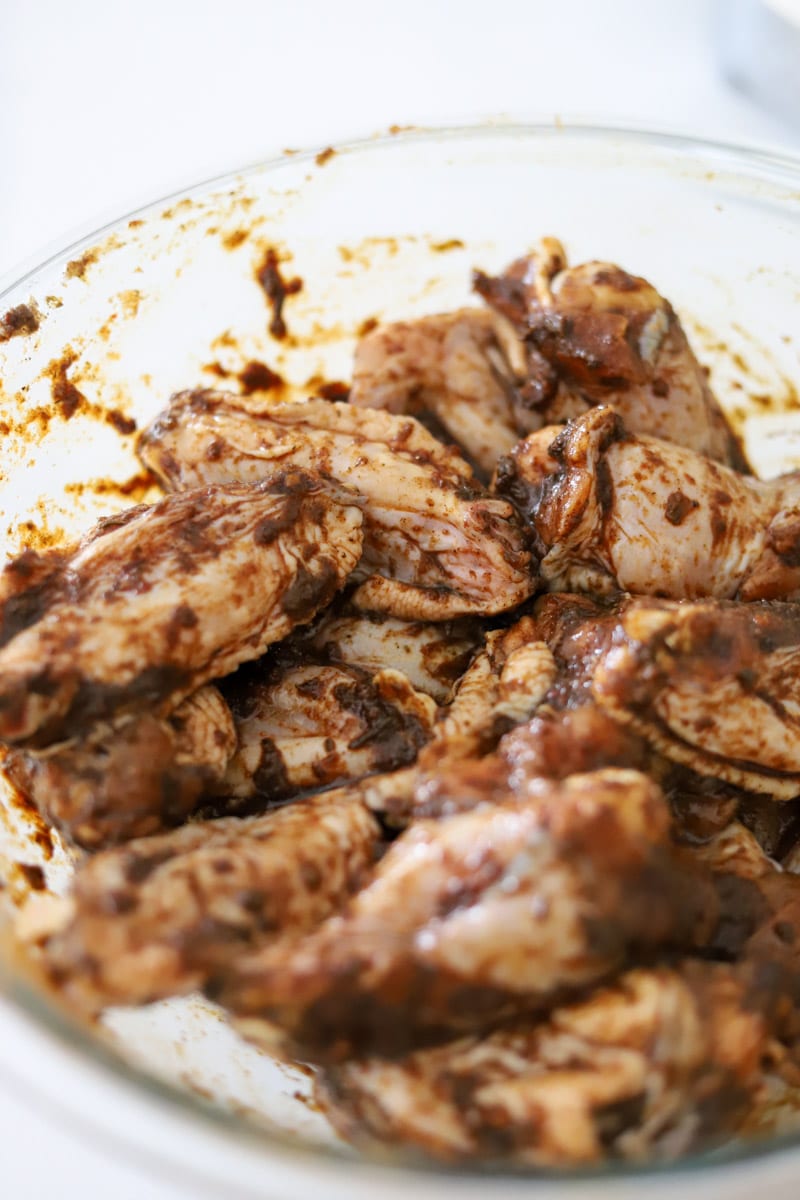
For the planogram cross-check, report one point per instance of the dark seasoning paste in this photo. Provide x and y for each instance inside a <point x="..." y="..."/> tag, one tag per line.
<point x="276" y="289"/>
<point x="20" y="321"/>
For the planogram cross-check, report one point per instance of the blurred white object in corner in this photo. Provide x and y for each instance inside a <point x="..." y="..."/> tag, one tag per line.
<point x="759" y="50"/>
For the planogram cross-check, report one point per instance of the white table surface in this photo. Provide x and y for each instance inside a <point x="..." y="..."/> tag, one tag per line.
<point x="105" y="105"/>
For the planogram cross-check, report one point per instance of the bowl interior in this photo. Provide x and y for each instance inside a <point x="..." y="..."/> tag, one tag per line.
<point x="168" y="299"/>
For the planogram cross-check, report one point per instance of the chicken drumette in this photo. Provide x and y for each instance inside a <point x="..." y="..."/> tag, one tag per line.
<point x="614" y="511"/>
<point x="597" y="335"/>
<point x="132" y="776"/>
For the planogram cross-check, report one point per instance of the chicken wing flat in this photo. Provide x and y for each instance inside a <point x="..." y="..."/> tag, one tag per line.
<point x="155" y="917"/>
<point x="478" y="917"/>
<point x="159" y="600"/>
<point x="609" y="338"/>
<point x="711" y="685"/>
<point x="433" y="655"/>
<point x="131" y="777"/>
<point x="456" y="372"/>
<point x="308" y="726"/>
<point x="617" y="511"/>
<point x="661" y="1062"/>
<point x="435" y="544"/>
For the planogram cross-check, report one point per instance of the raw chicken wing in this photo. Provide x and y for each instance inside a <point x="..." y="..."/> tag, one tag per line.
<point x="617" y="511"/>
<point x="159" y="600"/>
<point x="130" y="777"/>
<point x="478" y="917"/>
<point x="711" y="685"/>
<point x="155" y="917"/>
<point x="435" y="545"/>
<point x="598" y="335"/>
<point x="456" y="372"/>
<point x="661" y="1062"/>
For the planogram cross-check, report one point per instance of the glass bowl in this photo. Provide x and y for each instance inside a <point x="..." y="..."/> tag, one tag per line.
<point x="167" y="298"/>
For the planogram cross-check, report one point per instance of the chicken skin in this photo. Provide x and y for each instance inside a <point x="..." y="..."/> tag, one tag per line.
<point x="133" y="776"/>
<point x="711" y="685"/>
<point x="433" y="655"/>
<point x="157" y="916"/>
<point x="308" y="726"/>
<point x="159" y="600"/>
<point x="663" y="1061"/>
<point x="617" y="511"/>
<point x="456" y="372"/>
<point x="479" y="917"/>
<point x="503" y="685"/>
<point x="435" y="544"/>
<point x="598" y="335"/>
<point x="692" y="693"/>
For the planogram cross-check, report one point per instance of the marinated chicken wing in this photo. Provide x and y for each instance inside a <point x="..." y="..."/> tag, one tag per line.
<point x="155" y="917"/>
<point x="617" y="511"/>
<point x="698" y="695"/>
<point x="661" y="1062"/>
<point x="502" y="686"/>
<point x="133" y="776"/>
<point x="432" y="655"/>
<point x="435" y="545"/>
<point x="158" y="600"/>
<point x="308" y="726"/>
<point x="710" y="685"/>
<point x="607" y="337"/>
<point x="456" y="372"/>
<point x="478" y="917"/>
<point x="569" y="732"/>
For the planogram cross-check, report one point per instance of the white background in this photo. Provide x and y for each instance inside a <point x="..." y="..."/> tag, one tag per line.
<point x="106" y="104"/>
